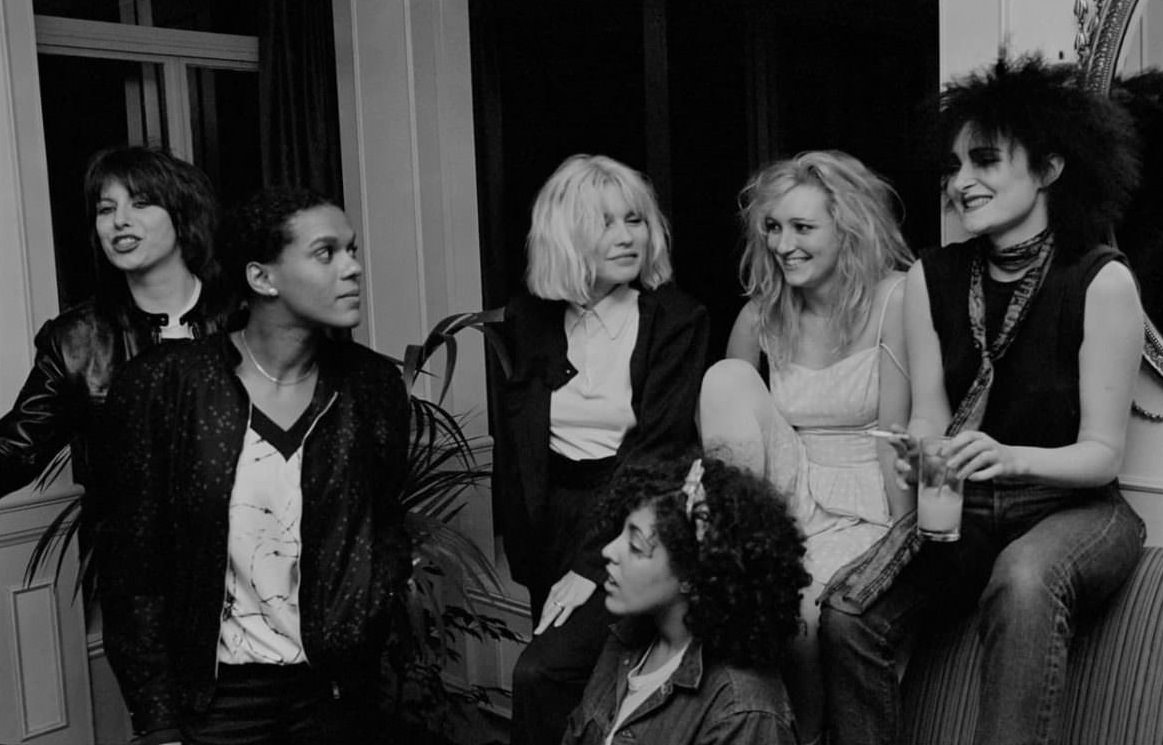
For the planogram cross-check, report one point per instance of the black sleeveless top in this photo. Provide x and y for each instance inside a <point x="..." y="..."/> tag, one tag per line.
<point x="1034" y="400"/>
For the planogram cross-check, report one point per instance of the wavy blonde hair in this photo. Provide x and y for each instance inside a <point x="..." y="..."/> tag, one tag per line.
<point x="860" y="205"/>
<point x="568" y="220"/>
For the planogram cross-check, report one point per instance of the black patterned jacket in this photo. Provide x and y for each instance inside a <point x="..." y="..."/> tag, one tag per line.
<point x="175" y="422"/>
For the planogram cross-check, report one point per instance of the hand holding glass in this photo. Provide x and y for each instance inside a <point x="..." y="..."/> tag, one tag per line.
<point x="939" y="492"/>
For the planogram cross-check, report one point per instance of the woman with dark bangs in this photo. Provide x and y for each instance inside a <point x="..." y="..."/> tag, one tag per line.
<point x="153" y="219"/>
<point x="1023" y="347"/>
<point x="706" y="576"/>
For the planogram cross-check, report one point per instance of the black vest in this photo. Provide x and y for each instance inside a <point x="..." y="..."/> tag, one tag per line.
<point x="1034" y="400"/>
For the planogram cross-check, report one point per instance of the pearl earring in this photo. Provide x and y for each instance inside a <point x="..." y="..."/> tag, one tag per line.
<point x="272" y="292"/>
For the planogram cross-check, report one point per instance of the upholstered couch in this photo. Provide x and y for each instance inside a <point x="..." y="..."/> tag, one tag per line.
<point x="1114" y="690"/>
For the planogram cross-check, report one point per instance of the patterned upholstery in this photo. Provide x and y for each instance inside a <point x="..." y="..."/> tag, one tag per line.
<point x="1114" y="689"/>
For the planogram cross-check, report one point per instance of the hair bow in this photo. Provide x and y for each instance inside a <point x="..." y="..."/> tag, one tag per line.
<point x="696" y="498"/>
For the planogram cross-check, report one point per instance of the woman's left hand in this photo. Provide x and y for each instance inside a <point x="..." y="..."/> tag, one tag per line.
<point x="566" y="594"/>
<point x="978" y="457"/>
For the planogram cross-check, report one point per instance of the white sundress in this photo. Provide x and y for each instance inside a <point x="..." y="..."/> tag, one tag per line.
<point x="820" y="455"/>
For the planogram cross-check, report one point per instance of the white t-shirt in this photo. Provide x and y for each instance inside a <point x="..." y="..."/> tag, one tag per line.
<point x="260" y="616"/>
<point x="639" y="687"/>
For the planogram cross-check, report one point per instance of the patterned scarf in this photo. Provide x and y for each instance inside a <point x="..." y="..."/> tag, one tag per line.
<point x="1037" y="253"/>
<point x="1020" y="255"/>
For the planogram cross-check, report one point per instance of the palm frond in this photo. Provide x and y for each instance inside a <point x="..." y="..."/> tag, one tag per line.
<point x="453" y="552"/>
<point x="443" y="334"/>
<point x="61" y="532"/>
<point x="53" y="470"/>
<point x="56" y="539"/>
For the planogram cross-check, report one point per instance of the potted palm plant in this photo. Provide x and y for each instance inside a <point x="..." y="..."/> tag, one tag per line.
<point x="444" y="471"/>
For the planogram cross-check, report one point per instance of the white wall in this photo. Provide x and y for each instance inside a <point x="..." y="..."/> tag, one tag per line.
<point x="44" y="688"/>
<point x="406" y="120"/>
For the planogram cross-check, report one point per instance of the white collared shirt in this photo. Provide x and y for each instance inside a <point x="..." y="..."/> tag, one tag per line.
<point x="590" y="414"/>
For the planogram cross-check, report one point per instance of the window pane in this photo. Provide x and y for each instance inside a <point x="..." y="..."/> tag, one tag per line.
<point x="88" y="10"/>
<point x="224" y="123"/>
<point x="218" y="16"/>
<point x="89" y="104"/>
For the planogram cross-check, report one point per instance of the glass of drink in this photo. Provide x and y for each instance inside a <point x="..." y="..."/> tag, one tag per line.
<point x="939" y="492"/>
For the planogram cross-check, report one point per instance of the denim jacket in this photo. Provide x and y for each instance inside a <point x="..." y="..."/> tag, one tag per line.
<point x="700" y="704"/>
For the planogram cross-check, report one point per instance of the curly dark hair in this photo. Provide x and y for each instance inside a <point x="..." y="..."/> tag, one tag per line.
<point x="746" y="574"/>
<point x="259" y="229"/>
<point x="1047" y="110"/>
<point x="181" y="188"/>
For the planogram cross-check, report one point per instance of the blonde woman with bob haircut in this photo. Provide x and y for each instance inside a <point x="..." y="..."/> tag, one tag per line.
<point x="607" y="358"/>
<point x="569" y="219"/>
<point x="822" y="272"/>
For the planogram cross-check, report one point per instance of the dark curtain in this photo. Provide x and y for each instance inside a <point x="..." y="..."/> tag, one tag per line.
<point x="298" y="102"/>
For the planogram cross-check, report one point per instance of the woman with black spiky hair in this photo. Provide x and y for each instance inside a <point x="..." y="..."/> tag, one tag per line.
<point x="1023" y="348"/>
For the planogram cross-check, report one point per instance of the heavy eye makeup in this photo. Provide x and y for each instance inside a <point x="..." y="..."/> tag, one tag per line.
<point x="983" y="157"/>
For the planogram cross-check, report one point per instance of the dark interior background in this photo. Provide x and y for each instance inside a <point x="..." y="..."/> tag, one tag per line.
<point x="697" y="95"/>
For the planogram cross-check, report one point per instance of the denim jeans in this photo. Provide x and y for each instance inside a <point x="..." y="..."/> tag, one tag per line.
<point x="1035" y="559"/>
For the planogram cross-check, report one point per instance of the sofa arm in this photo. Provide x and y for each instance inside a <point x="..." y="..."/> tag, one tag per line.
<point x="1114" y="688"/>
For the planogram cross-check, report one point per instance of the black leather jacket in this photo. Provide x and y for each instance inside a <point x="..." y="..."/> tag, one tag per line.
<point x="77" y="354"/>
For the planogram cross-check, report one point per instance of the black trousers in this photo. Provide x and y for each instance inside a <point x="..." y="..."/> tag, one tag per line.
<point x="284" y="705"/>
<point x="551" y="673"/>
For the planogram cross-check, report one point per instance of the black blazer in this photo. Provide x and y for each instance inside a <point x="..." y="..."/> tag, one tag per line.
<point x="666" y="370"/>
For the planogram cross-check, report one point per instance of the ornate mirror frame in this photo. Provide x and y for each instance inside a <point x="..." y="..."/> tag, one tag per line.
<point x="1102" y="29"/>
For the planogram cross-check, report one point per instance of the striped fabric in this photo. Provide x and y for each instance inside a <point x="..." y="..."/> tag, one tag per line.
<point x="1114" y="689"/>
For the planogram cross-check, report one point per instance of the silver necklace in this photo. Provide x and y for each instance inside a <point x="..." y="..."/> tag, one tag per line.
<point x="267" y="375"/>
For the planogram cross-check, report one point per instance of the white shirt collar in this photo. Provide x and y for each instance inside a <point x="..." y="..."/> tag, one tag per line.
<point x="174" y="328"/>
<point x="611" y="312"/>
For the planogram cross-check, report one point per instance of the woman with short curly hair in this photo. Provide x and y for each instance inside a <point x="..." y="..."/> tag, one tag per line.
<point x="706" y="576"/>
<point x="256" y="540"/>
<point x="1023" y="347"/>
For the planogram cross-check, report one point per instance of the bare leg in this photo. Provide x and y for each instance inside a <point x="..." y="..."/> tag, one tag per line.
<point x="740" y="424"/>
<point x="734" y="415"/>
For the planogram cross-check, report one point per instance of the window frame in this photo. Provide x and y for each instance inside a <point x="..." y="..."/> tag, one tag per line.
<point x="175" y="50"/>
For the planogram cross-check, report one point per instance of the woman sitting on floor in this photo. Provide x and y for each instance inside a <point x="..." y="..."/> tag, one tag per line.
<point x="706" y="575"/>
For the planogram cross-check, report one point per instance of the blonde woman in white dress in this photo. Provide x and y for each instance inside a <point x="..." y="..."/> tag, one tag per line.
<point x="822" y="270"/>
